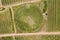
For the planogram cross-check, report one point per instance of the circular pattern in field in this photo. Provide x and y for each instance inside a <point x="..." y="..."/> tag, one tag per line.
<point x="28" y="19"/>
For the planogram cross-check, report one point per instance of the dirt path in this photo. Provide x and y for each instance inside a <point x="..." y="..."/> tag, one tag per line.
<point x="44" y="26"/>
<point x="29" y="34"/>
<point x="44" y="23"/>
<point x="16" y="4"/>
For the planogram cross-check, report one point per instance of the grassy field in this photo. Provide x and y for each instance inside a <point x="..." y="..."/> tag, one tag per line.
<point x="7" y="2"/>
<point x="6" y="38"/>
<point x="28" y="17"/>
<point x="28" y="37"/>
<point x="54" y="15"/>
<point x="52" y="20"/>
<point x="58" y="14"/>
<point x="46" y="37"/>
<point x="5" y="22"/>
<point x="36" y="37"/>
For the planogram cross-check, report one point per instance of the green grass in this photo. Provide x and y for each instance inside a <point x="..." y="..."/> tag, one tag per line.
<point x="5" y="22"/>
<point x="50" y="37"/>
<point x="27" y="19"/>
<point x="43" y="37"/>
<point x="27" y="38"/>
<point x="52" y="16"/>
<point x="36" y="37"/>
<point x="6" y="38"/>
<point x="58" y="14"/>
